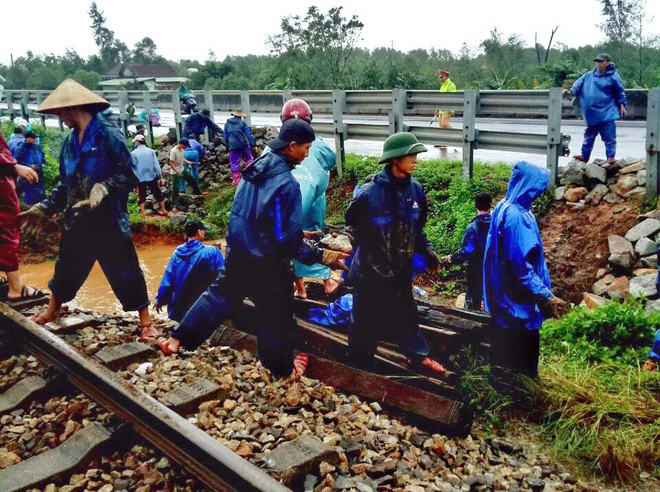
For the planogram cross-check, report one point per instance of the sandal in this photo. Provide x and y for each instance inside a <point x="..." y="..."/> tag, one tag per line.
<point x="299" y="366"/>
<point x="26" y="294"/>
<point x="432" y="365"/>
<point x="148" y="333"/>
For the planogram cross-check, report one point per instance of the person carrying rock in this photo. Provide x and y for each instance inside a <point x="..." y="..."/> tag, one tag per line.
<point x="180" y="172"/>
<point x="472" y="252"/>
<point x="387" y="219"/>
<point x="240" y="144"/>
<point x="264" y="234"/>
<point x="517" y="290"/>
<point x="96" y="175"/>
<point x="191" y="269"/>
<point x="197" y="123"/>
<point x="602" y="101"/>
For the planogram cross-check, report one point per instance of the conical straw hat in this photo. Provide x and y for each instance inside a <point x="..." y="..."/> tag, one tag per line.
<point x="70" y="94"/>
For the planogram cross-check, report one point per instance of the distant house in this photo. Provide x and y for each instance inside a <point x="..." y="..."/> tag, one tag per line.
<point x="141" y="76"/>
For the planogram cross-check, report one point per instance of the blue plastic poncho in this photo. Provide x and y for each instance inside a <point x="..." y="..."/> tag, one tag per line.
<point x="655" y="350"/>
<point x="601" y="95"/>
<point x="515" y="273"/>
<point x="313" y="175"/>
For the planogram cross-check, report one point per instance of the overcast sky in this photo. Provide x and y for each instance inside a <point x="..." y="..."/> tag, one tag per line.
<point x="241" y="28"/>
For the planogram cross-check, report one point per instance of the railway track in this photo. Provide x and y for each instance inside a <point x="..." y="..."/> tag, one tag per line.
<point x="104" y="368"/>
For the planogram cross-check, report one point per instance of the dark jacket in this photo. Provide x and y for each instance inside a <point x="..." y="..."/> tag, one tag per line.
<point x="191" y="269"/>
<point x="31" y="154"/>
<point x="237" y="134"/>
<point x="197" y="123"/>
<point x="472" y="252"/>
<point x="516" y="276"/>
<point x="104" y="158"/>
<point x="387" y="218"/>
<point x="266" y="216"/>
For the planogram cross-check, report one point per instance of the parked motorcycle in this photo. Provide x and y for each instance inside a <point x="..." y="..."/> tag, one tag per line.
<point x="188" y="104"/>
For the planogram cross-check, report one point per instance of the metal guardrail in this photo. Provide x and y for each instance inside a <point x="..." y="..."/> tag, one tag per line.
<point x="392" y="108"/>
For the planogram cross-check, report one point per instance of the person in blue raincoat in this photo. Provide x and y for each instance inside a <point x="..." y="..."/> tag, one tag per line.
<point x="653" y="361"/>
<point x="472" y="252"/>
<point x="32" y="155"/>
<point x="313" y="175"/>
<point x="96" y="175"/>
<point x="197" y="123"/>
<point x="387" y="219"/>
<point x="240" y="143"/>
<point x="191" y="269"/>
<point x="602" y="101"/>
<point x="264" y="234"/>
<point x="517" y="290"/>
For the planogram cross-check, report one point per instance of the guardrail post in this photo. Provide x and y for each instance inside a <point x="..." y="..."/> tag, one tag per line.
<point x="652" y="142"/>
<point x="338" y="108"/>
<point x="208" y="102"/>
<point x="146" y="103"/>
<point x="176" y="109"/>
<point x="123" y="116"/>
<point x="398" y="106"/>
<point x="245" y="106"/>
<point x="40" y="98"/>
<point x="470" y="133"/>
<point x="25" y="109"/>
<point x="10" y="104"/>
<point x="554" y="133"/>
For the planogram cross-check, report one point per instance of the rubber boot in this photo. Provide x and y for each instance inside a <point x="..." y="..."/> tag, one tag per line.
<point x="236" y="178"/>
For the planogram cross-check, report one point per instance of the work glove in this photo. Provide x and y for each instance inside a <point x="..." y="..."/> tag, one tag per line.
<point x="334" y="259"/>
<point x="98" y="193"/>
<point x="549" y="307"/>
<point x="433" y="262"/>
<point x="32" y="219"/>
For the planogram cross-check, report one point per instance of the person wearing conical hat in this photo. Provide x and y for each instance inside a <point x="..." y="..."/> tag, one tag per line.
<point x="240" y="144"/>
<point x="96" y="175"/>
<point x="387" y="218"/>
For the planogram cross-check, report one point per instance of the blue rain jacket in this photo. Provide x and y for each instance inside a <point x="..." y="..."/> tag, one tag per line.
<point x="32" y="155"/>
<point x="15" y="141"/>
<point x="601" y="95"/>
<point x="515" y="273"/>
<point x="313" y="176"/>
<point x="337" y="313"/>
<point x="191" y="269"/>
<point x="655" y="350"/>
<point x="387" y="216"/>
<point x="237" y="134"/>
<point x="266" y="215"/>
<point x="103" y="157"/>
<point x="196" y="124"/>
<point x="472" y="252"/>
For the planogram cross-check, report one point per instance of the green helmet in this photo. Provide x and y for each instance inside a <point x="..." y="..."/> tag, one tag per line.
<point x="400" y="144"/>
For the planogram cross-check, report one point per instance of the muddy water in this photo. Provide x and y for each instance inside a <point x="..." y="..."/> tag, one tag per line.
<point x="96" y="293"/>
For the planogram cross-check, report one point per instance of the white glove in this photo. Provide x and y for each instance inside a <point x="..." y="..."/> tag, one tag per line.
<point x="98" y="193"/>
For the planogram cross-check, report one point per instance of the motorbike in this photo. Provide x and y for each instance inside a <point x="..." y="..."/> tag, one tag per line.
<point x="188" y="104"/>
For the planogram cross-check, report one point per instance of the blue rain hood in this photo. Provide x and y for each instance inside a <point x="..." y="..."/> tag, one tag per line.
<point x="515" y="272"/>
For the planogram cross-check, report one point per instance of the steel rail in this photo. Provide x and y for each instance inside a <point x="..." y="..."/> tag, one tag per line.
<point x="204" y="457"/>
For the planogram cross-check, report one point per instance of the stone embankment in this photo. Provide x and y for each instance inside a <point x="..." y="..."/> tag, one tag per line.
<point x="633" y="259"/>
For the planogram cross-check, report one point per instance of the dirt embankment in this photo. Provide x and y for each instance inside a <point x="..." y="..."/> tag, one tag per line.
<point x="575" y="242"/>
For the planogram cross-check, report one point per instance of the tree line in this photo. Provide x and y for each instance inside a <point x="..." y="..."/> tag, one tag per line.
<point x="320" y="51"/>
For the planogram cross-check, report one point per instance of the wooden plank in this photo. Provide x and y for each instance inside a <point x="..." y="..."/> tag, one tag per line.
<point x="439" y="411"/>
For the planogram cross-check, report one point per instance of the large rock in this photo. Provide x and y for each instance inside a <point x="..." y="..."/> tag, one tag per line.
<point x="612" y="198"/>
<point x="594" y="172"/>
<point x="575" y="194"/>
<point x="641" y="177"/>
<point x="645" y="247"/>
<point x="600" y="287"/>
<point x="620" y="261"/>
<point x="619" y="288"/>
<point x="644" y="229"/>
<point x="573" y="175"/>
<point x="644" y="285"/>
<point x="559" y="192"/>
<point x="619" y="245"/>
<point x="633" y="168"/>
<point x="650" y="261"/>
<point x="637" y="193"/>
<point x="592" y="300"/>
<point x="596" y="194"/>
<point x="625" y="183"/>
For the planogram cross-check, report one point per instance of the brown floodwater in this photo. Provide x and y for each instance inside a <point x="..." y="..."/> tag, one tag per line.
<point x="96" y="294"/>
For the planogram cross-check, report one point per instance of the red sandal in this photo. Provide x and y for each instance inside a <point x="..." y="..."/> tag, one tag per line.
<point x="164" y="344"/>
<point x="148" y="332"/>
<point x="299" y="366"/>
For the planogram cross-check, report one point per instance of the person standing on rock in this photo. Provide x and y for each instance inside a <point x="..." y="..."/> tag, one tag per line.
<point x="148" y="171"/>
<point x="387" y="219"/>
<point x="472" y="252"/>
<point x="517" y="290"/>
<point x="96" y="175"/>
<point x="602" y="101"/>
<point x="264" y="234"/>
<point x="240" y="144"/>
